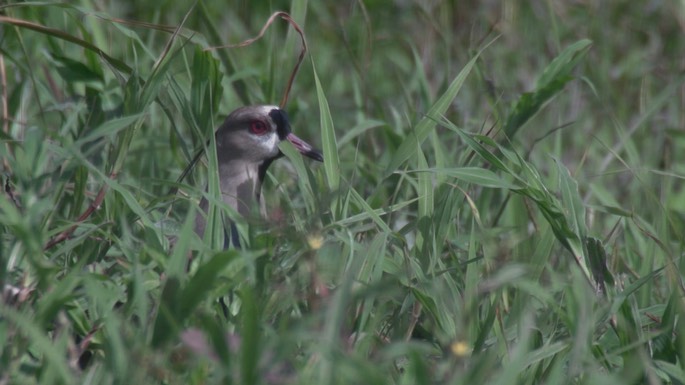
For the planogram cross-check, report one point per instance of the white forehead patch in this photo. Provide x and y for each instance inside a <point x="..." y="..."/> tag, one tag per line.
<point x="266" y="109"/>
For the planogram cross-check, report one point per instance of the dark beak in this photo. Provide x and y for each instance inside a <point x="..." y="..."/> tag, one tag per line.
<point x="304" y="148"/>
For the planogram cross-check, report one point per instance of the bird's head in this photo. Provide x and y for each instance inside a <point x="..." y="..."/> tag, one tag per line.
<point x="252" y="134"/>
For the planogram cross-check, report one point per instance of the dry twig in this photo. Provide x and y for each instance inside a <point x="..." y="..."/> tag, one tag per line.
<point x="61" y="237"/>
<point x="285" y="16"/>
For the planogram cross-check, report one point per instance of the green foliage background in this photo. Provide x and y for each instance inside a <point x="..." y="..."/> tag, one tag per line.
<point x="502" y="199"/>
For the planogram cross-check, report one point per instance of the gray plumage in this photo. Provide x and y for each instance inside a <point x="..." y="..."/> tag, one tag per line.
<point x="247" y="143"/>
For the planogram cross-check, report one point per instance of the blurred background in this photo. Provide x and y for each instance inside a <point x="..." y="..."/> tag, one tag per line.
<point x="551" y="254"/>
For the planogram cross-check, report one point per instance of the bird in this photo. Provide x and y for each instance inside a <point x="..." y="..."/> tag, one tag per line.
<point x="247" y="144"/>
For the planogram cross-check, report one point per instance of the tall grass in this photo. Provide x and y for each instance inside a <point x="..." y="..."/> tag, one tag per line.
<point x="501" y="200"/>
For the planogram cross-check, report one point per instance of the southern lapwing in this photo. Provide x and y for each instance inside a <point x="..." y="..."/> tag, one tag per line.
<point x="247" y="143"/>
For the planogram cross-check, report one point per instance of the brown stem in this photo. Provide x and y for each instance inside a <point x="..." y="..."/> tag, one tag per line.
<point x="285" y="16"/>
<point x="61" y="237"/>
<point x="5" y="112"/>
<point x="413" y="320"/>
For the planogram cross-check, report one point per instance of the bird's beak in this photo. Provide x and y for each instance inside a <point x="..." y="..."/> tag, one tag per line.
<point x="304" y="148"/>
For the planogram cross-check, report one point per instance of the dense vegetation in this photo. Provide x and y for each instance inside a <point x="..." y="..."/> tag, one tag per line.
<point x="502" y="199"/>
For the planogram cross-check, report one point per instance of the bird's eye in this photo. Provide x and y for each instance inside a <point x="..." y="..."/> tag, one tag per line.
<point x="258" y="127"/>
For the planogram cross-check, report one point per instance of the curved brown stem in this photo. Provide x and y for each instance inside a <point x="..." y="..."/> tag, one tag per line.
<point x="64" y="235"/>
<point x="285" y="16"/>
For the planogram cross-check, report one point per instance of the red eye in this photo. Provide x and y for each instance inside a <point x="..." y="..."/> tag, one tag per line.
<point x="258" y="127"/>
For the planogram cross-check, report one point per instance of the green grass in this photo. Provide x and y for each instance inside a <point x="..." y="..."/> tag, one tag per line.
<point x="501" y="202"/>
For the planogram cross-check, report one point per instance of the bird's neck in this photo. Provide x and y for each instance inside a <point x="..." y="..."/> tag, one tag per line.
<point x="241" y="184"/>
